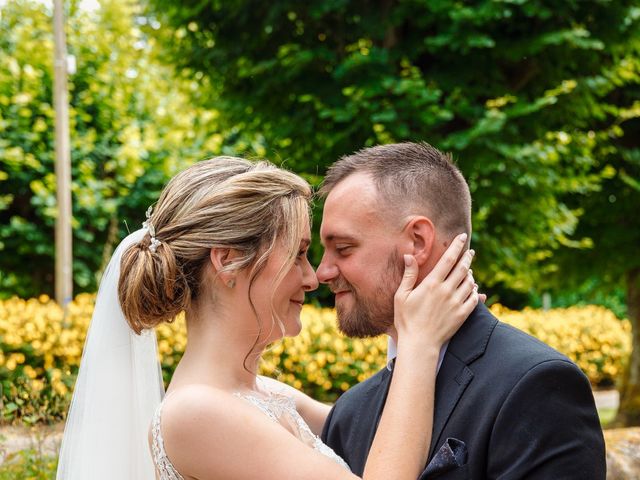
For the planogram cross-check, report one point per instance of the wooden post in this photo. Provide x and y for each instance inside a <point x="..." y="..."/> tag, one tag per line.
<point x="64" y="273"/>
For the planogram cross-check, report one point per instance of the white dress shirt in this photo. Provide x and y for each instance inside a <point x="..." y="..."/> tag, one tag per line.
<point x="392" y="352"/>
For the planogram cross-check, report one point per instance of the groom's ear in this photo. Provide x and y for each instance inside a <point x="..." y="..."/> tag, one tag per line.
<point x="422" y="234"/>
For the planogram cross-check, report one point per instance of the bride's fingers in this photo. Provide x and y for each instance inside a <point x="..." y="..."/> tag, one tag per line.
<point x="408" y="279"/>
<point x="460" y="271"/>
<point x="470" y="303"/>
<point x="464" y="289"/>
<point x="449" y="258"/>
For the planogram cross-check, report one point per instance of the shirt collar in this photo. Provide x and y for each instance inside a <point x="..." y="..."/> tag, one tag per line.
<point x="392" y="353"/>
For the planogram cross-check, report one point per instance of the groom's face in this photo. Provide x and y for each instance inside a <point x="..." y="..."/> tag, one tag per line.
<point x="361" y="262"/>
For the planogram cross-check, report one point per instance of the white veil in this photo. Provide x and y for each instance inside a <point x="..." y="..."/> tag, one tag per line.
<point x="119" y="386"/>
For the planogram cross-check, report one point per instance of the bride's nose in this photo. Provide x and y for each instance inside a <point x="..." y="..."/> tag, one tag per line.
<point x="309" y="278"/>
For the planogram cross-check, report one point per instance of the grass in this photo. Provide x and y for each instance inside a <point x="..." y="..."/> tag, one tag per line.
<point x="607" y="415"/>
<point x="29" y="464"/>
<point x="33" y="463"/>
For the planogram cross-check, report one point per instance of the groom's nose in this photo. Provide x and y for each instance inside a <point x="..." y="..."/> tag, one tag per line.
<point x="327" y="270"/>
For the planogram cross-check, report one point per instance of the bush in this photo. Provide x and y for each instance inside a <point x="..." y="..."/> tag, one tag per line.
<point x="40" y="354"/>
<point x="41" y="351"/>
<point x="592" y="336"/>
<point x="321" y="361"/>
<point x="29" y="464"/>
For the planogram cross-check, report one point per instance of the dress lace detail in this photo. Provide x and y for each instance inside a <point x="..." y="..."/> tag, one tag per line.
<point x="278" y="407"/>
<point x="165" y="468"/>
<point x="282" y="409"/>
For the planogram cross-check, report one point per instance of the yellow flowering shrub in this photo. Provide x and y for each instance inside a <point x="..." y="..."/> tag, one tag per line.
<point x="321" y="361"/>
<point x="592" y="336"/>
<point x="40" y="350"/>
<point x="39" y="354"/>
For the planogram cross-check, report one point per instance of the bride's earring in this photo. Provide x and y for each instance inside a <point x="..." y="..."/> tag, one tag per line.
<point x="231" y="283"/>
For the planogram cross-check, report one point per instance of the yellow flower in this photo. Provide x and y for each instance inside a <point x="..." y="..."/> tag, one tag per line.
<point x="30" y="372"/>
<point x="320" y="360"/>
<point x="60" y="388"/>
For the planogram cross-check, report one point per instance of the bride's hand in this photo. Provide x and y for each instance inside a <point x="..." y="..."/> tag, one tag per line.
<point x="432" y="312"/>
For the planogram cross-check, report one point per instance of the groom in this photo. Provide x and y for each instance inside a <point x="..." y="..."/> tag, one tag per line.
<point x="507" y="406"/>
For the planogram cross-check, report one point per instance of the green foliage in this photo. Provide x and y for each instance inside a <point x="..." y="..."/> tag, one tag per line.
<point x="527" y="95"/>
<point x="29" y="464"/>
<point x="591" y="291"/>
<point x="132" y="128"/>
<point x="536" y="100"/>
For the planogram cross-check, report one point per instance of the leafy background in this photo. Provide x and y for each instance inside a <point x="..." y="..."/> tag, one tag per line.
<point x="536" y="100"/>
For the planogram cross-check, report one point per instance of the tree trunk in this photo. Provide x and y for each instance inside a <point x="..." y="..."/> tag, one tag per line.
<point x="629" y="411"/>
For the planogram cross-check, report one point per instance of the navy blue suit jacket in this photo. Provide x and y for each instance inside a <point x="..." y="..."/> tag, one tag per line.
<point x="518" y="408"/>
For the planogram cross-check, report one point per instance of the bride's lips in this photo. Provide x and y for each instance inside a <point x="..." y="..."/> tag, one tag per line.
<point x="298" y="302"/>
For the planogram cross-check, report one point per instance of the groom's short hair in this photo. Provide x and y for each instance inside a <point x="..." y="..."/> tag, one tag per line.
<point x="411" y="178"/>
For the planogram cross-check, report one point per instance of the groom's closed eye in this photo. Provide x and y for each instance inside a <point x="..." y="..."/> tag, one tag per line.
<point x="344" y="249"/>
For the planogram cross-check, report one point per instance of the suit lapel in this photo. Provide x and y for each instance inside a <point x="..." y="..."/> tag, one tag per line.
<point x="469" y="343"/>
<point x="452" y="380"/>
<point x="368" y="417"/>
<point x="454" y="376"/>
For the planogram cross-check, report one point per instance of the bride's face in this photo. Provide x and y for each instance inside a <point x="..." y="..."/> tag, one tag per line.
<point x="285" y="301"/>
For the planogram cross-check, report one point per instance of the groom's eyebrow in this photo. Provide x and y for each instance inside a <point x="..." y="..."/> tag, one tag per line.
<point x="333" y="237"/>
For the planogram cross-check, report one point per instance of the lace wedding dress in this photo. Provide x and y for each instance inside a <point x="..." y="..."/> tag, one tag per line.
<point x="278" y="407"/>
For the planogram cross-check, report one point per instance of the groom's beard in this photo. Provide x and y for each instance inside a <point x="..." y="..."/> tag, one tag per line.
<point x="370" y="315"/>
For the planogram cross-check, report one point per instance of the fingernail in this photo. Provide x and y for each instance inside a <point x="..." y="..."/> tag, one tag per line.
<point x="463" y="237"/>
<point x="472" y="252"/>
<point x="407" y="260"/>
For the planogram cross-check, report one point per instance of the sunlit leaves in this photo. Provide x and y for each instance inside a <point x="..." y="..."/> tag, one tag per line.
<point x="132" y="127"/>
<point x="526" y="96"/>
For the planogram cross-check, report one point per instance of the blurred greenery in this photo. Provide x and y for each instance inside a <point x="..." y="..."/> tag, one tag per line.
<point x="590" y="292"/>
<point x="527" y="95"/>
<point x="536" y="100"/>
<point x="607" y="415"/>
<point x="30" y="464"/>
<point x="132" y="128"/>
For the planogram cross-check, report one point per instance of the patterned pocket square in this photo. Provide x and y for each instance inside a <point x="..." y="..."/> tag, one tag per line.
<point x="452" y="455"/>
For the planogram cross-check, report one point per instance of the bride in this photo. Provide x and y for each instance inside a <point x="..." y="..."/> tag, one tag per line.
<point x="227" y="243"/>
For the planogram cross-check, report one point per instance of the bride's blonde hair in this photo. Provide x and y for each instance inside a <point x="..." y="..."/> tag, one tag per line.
<point x="224" y="202"/>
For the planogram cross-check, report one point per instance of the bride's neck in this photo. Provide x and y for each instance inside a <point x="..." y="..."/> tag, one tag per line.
<point x="220" y="350"/>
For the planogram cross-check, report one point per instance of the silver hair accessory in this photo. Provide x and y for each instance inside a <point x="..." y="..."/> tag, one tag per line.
<point x="155" y="243"/>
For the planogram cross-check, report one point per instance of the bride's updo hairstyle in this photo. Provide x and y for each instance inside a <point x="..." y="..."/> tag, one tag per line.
<point x="224" y="202"/>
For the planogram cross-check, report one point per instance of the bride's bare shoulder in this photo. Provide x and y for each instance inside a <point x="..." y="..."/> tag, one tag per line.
<point x="211" y="433"/>
<point x="194" y="396"/>
<point x="196" y="416"/>
<point x="195" y="411"/>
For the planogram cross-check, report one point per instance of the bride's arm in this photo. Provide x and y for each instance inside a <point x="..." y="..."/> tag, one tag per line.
<point x="425" y="318"/>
